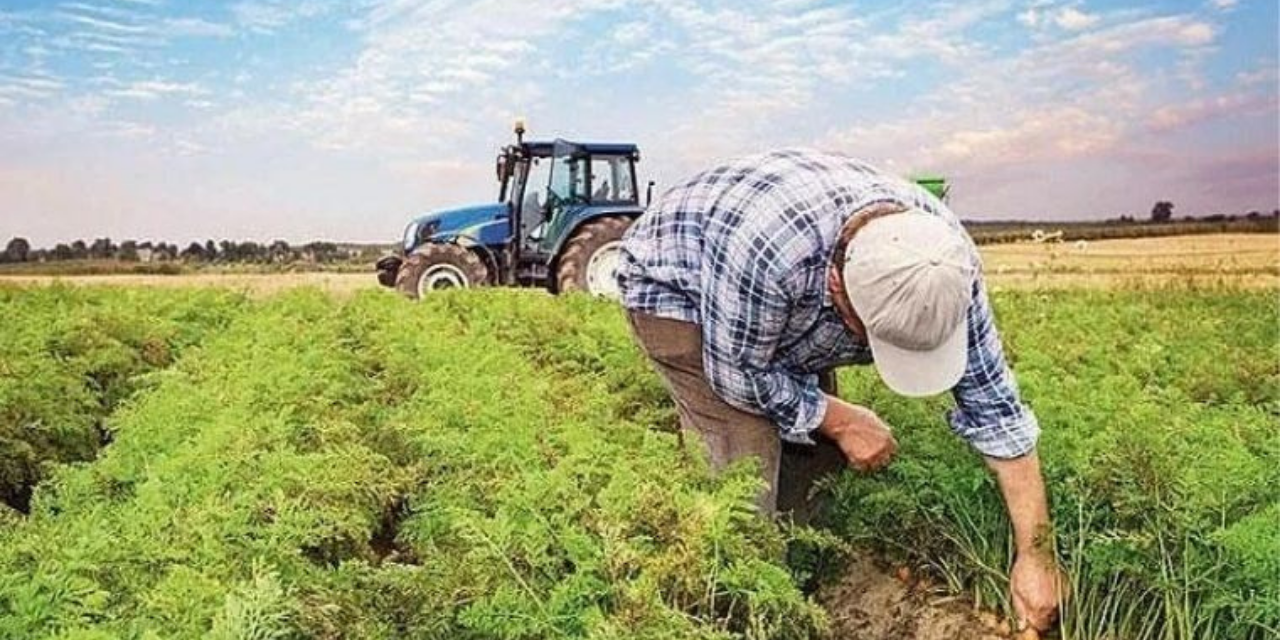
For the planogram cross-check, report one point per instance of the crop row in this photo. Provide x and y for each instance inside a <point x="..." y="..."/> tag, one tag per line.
<point x="68" y="357"/>
<point x="378" y="470"/>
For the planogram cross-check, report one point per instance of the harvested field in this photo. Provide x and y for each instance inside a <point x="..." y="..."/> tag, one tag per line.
<point x="1249" y="260"/>
<point x="1238" y="260"/>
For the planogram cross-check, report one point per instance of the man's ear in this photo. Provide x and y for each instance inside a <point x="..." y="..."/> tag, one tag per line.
<point x="833" y="280"/>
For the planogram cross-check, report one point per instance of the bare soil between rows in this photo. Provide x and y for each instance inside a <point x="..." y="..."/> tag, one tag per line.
<point x="868" y="602"/>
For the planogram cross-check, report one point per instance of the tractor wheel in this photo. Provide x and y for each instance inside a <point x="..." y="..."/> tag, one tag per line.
<point x="440" y="266"/>
<point x="590" y="258"/>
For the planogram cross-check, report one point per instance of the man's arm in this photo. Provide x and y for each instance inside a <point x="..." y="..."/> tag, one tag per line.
<point x="990" y="415"/>
<point x="744" y="313"/>
<point x="1034" y="578"/>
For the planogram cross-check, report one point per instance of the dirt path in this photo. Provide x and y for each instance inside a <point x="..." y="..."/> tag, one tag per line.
<point x="869" y="603"/>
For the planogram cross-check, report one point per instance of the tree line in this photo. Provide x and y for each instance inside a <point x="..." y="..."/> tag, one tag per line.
<point x="225" y="251"/>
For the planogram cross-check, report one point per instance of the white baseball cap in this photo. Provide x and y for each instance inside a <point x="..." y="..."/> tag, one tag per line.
<point x="909" y="277"/>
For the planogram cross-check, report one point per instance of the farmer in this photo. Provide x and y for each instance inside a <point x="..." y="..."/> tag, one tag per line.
<point x="748" y="283"/>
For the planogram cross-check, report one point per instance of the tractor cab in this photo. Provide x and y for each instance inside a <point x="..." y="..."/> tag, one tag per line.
<point x="551" y="187"/>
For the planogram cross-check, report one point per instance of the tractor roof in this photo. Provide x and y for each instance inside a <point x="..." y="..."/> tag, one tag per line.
<point x="544" y="148"/>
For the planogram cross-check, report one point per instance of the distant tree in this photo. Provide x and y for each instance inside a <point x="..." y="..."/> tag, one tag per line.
<point x="321" y="251"/>
<point x="279" y="251"/>
<point x="128" y="251"/>
<point x="1162" y="211"/>
<point x="102" y="248"/>
<point x="79" y="250"/>
<point x="210" y="250"/>
<point x="17" y="250"/>
<point x="194" y="252"/>
<point x="62" y="251"/>
<point x="250" y="251"/>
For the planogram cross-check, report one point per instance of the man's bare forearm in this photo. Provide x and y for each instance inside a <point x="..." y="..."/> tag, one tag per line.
<point x="1022" y="485"/>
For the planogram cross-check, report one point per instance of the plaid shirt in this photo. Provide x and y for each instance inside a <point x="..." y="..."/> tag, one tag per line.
<point x="743" y="250"/>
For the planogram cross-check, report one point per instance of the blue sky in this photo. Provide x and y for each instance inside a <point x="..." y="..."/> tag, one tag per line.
<point x="313" y="119"/>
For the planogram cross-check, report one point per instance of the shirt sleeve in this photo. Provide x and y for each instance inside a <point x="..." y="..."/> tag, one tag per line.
<point x="745" y="308"/>
<point x="989" y="413"/>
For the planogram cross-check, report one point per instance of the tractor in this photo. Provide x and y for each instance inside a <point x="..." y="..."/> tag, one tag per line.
<point x="558" y="222"/>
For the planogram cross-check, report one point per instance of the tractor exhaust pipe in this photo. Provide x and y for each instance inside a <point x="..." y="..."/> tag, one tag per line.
<point x="519" y="129"/>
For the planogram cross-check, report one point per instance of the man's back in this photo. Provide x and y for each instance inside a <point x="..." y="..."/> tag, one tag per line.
<point x="779" y="212"/>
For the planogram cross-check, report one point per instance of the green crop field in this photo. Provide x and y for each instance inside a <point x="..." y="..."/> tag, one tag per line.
<point x="500" y="464"/>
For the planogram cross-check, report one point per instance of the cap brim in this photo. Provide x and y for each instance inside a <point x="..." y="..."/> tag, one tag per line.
<point x="922" y="373"/>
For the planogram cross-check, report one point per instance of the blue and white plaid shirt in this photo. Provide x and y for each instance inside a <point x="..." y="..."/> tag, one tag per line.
<point x="743" y="250"/>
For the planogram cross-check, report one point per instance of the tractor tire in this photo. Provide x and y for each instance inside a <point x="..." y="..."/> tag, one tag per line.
<point x="590" y="258"/>
<point x="439" y="266"/>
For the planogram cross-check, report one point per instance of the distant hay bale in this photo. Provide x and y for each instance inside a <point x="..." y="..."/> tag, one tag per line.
<point x="1042" y="236"/>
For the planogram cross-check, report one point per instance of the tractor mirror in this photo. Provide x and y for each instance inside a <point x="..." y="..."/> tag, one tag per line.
<point x="500" y="167"/>
<point x="648" y="195"/>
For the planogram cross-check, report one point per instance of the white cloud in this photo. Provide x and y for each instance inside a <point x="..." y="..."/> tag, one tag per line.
<point x="1072" y="19"/>
<point x="268" y="16"/>
<point x="195" y="27"/>
<point x="154" y="89"/>
<point x="29" y="87"/>
<point x="1224" y="5"/>
<point x="1193" y="112"/>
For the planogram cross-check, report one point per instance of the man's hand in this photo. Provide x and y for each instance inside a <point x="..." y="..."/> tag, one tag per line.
<point x="864" y="438"/>
<point x="1034" y="583"/>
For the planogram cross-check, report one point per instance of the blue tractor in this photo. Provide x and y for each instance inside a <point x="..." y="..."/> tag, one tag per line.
<point x="558" y="222"/>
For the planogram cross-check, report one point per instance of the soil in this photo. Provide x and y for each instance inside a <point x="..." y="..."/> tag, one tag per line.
<point x="868" y="602"/>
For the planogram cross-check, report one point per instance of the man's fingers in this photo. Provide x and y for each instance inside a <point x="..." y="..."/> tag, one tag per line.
<point x="1038" y="618"/>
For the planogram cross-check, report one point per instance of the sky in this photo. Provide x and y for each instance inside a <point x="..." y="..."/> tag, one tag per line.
<point x="317" y="119"/>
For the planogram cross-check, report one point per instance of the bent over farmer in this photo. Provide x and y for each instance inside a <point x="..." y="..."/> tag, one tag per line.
<point x="748" y="283"/>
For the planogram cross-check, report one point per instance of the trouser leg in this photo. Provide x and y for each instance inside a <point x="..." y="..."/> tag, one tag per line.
<point x="802" y="466"/>
<point x="728" y="434"/>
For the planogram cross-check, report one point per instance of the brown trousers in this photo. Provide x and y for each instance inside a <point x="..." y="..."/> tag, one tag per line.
<point x="729" y="434"/>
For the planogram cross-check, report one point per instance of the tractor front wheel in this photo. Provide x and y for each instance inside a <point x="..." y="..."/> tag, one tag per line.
<point x="590" y="258"/>
<point x="440" y="266"/>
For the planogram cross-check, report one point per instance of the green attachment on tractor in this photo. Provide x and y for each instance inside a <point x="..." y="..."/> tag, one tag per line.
<point x="937" y="185"/>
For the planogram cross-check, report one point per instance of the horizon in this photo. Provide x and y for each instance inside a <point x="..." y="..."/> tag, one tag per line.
<point x="266" y="119"/>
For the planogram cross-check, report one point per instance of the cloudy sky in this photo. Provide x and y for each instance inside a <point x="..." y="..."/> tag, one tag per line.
<point x="305" y="119"/>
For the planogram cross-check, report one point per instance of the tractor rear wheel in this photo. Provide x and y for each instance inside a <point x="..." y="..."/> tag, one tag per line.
<point x="589" y="261"/>
<point x="438" y="266"/>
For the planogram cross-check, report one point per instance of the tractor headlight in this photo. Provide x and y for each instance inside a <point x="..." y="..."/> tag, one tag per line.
<point x="410" y="236"/>
<point x="419" y="232"/>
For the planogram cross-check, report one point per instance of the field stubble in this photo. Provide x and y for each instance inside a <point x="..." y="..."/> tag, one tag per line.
<point x="1237" y="260"/>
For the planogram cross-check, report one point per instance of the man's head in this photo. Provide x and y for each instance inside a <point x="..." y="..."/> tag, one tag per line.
<point x="909" y="277"/>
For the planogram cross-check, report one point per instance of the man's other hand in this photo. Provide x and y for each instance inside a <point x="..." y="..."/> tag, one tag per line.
<point x="867" y="442"/>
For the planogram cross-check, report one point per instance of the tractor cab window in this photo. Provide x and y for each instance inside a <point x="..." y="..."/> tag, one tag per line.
<point x="532" y="194"/>
<point x="568" y="178"/>
<point x="611" y="179"/>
